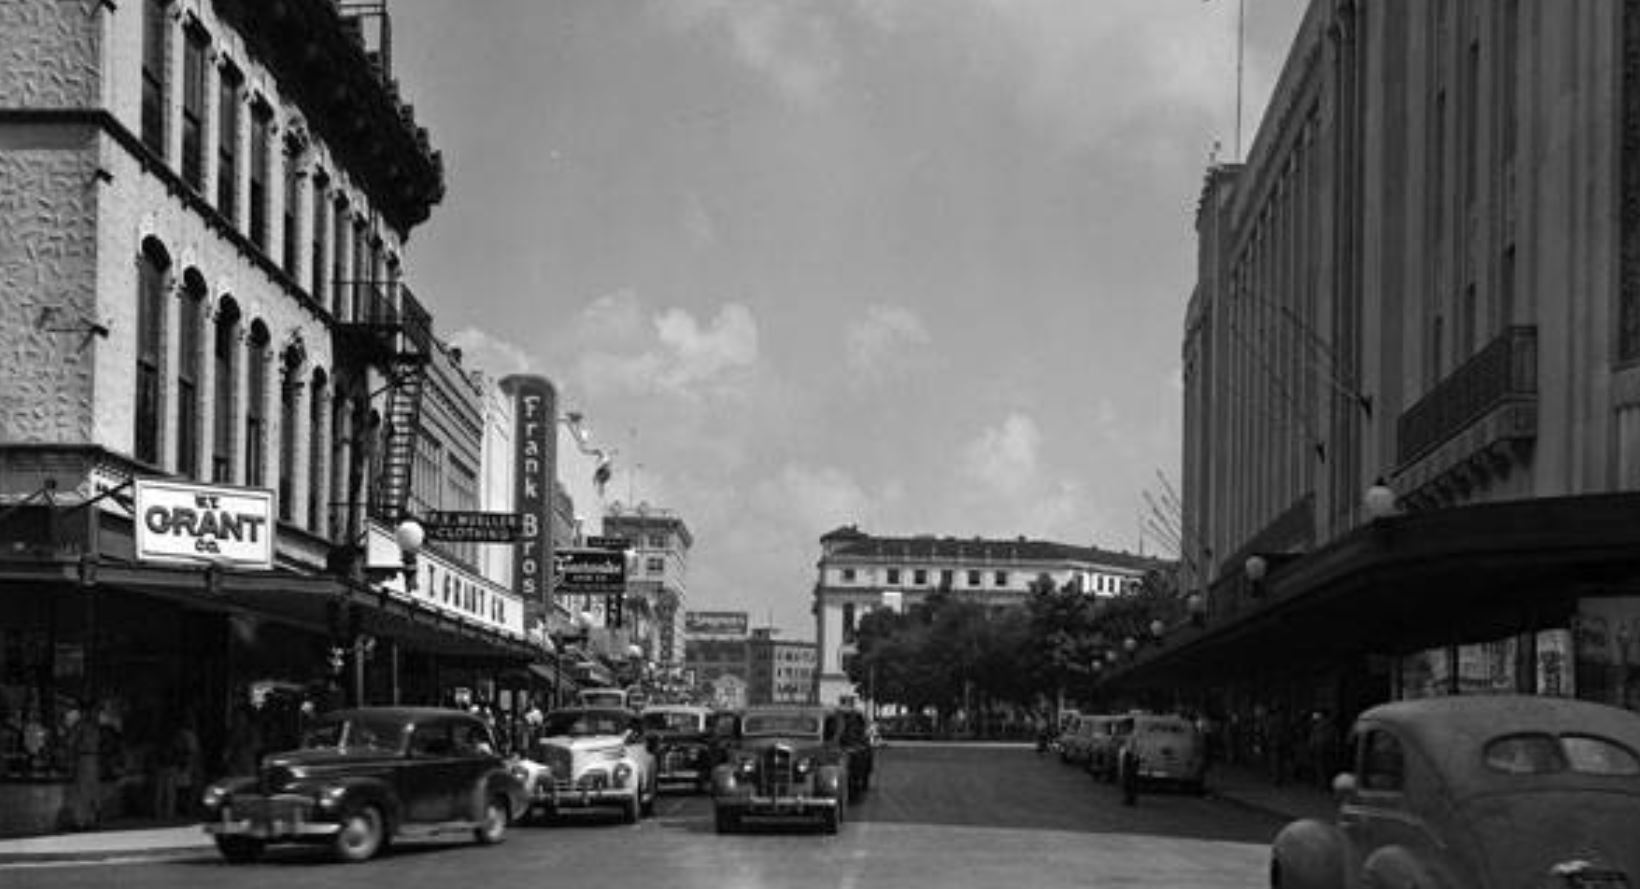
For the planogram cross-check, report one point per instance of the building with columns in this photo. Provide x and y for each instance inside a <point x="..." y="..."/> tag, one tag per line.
<point x="221" y="398"/>
<point x="1412" y="369"/>
<point x="859" y="573"/>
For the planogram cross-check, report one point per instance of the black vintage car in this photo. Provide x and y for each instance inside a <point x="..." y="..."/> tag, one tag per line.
<point x="364" y="777"/>
<point x="787" y="762"/>
<point x="684" y="745"/>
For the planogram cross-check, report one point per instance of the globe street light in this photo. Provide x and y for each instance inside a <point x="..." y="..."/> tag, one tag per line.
<point x="409" y="536"/>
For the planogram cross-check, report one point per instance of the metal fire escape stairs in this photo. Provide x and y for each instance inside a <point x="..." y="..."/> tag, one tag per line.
<point x="406" y="370"/>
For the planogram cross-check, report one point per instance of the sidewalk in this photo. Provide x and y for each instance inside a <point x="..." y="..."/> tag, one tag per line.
<point x="1250" y="787"/>
<point x="106" y="845"/>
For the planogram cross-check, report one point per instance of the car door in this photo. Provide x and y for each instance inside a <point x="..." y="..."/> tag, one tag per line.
<point x="426" y="783"/>
<point x="474" y="758"/>
<point x="1377" y="813"/>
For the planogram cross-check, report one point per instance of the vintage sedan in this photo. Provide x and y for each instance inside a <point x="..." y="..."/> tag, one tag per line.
<point x="590" y="758"/>
<point x="1480" y="792"/>
<point x="684" y="744"/>
<point x="789" y="762"/>
<point x="364" y="777"/>
<point x="1162" y="749"/>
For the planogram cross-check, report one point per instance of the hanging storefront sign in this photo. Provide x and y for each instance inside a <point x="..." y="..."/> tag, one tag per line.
<point x="181" y="522"/>
<point x="715" y="623"/>
<point x="535" y="412"/>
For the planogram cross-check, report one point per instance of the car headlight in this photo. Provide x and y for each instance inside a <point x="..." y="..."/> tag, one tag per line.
<point x="746" y="766"/>
<point x="623" y="773"/>
<point x="805" y="765"/>
<point x="214" y="796"/>
<point x="521" y="774"/>
<point x="330" y="797"/>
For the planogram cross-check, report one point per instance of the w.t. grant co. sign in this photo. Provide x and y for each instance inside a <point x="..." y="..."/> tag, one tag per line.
<point x="181" y="522"/>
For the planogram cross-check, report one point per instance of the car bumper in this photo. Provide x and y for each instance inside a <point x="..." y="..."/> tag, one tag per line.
<point x="276" y="817"/>
<point x="555" y="798"/>
<point x="753" y="804"/>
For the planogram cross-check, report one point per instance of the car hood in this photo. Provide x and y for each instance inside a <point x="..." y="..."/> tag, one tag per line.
<point x="807" y="746"/>
<point x="326" y="758"/>
<point x="584" y="743"/>
<point x="1520" y="837"/>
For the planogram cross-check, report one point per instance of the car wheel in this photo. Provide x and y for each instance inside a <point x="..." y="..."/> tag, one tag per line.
<point x="494" y="825"/>
<point x="725" y="820"/>
<point x="361" y="836"/>
<point x="240" y="850"/>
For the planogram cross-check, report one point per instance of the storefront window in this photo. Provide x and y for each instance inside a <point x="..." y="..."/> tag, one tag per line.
<point x="1606" y="635"/>
<point x="1426" y="674"/>
<point x="1488" y="667"/>
<point x="1553" y="663"/>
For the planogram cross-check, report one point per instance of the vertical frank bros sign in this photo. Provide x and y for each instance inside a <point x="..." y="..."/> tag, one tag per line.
<point x="535" y="412"/>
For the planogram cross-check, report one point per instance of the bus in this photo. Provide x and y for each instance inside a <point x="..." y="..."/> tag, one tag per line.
<point x="603" y="697"/>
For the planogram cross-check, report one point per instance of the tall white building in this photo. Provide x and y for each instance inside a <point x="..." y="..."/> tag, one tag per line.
<point x="860" y="572"/>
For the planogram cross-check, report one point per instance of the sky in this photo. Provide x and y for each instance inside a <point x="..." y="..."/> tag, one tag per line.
<point x="919" y="266"/>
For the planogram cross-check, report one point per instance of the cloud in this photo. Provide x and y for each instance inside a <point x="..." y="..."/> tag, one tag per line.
<point x="885" y="342"/>
<point x="1004" y="458"/>
<point x="811" y="499"/>
<point x="794" y="45"/>
<point x="493" y="355"/>
<point x="624" y="348"/>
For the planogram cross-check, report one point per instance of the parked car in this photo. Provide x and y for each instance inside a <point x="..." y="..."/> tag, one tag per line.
<point x="364" y="777"/>
<point x="788" y="762"/>
<point x="1105" y="736"/>
<point x="1065" y="740"/>
<point x="1478" y="792"/>
<point x="590" y="758"/>
<point x="684" y="745"/>
<point x="1163" y="750"/>
<point x="1077" y="747"/>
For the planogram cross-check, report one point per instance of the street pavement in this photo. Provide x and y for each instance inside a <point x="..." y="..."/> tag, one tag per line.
<point x="1239" y="785"/>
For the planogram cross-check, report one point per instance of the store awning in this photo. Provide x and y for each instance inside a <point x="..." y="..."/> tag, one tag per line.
<point x="301" y="600"/>
<point x="1408" y="582"/>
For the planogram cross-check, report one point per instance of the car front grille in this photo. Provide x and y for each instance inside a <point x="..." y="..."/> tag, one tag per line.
<point x="776" y="770"/>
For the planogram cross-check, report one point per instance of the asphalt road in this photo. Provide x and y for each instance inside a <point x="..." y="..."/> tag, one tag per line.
<point x="943" y="816"/>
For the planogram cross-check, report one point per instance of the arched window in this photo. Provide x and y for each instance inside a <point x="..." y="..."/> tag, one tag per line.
<point x="152" y="277"/>
<point x="256" y="407"/>
<point x="225" y="336"/>
<point x="190" y="357"/>
<point x="290" y="385"/>
<point x="318" y="450"/>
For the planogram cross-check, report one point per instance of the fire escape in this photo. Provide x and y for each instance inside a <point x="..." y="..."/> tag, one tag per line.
<point x="391" y="334"/>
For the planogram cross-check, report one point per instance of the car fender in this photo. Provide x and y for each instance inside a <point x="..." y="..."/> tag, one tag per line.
<point x="828" y="781"/>
<point x="355" y="791"/>
<point x="1397" y="867"/>
<point x="1308" y="854"/>
<point x="493" y="782"/>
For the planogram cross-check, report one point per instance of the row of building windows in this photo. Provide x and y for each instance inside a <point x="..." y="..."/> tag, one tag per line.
<point x="215" y="411"/>
<point x="1099" y="583"/>
<point x="333" y="250"/>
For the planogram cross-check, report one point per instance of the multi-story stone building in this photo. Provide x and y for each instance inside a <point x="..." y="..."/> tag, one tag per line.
<point x="1412" y="368"/>
<point x="780" y="671"/>
<point x="221" y="398"/>
<point x="657" y="590"/>
<point x="860" y="572"/>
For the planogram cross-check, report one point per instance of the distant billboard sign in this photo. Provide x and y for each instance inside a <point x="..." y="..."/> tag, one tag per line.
<point x="584" y="571"/>
<point x="715" y="623"/>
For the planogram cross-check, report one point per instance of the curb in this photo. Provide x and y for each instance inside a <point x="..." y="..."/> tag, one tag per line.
<point x="99" y="856"/>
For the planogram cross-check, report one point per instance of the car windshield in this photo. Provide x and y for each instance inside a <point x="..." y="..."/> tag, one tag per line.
<point x="674" y="722"/>
<point x="355" y="732"/>
<point x="1163" y="728"/>
<point x="756" y="724"/>
<point x="584" y="723"/>
<point x="1543" y="754"/>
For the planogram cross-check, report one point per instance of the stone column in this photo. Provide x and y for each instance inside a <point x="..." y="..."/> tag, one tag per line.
<point x="175" y="39"/>
<point x="318" y="451"/>
<point x="207" y="389"/>
<point x="300" y="437"/>
<point x="170" y="354"/>
<point x="210" y="118"/>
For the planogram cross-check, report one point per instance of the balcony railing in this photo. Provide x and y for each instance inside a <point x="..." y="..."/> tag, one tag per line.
<point x="1503" y="372"/>
<point x="380" y="321"/>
